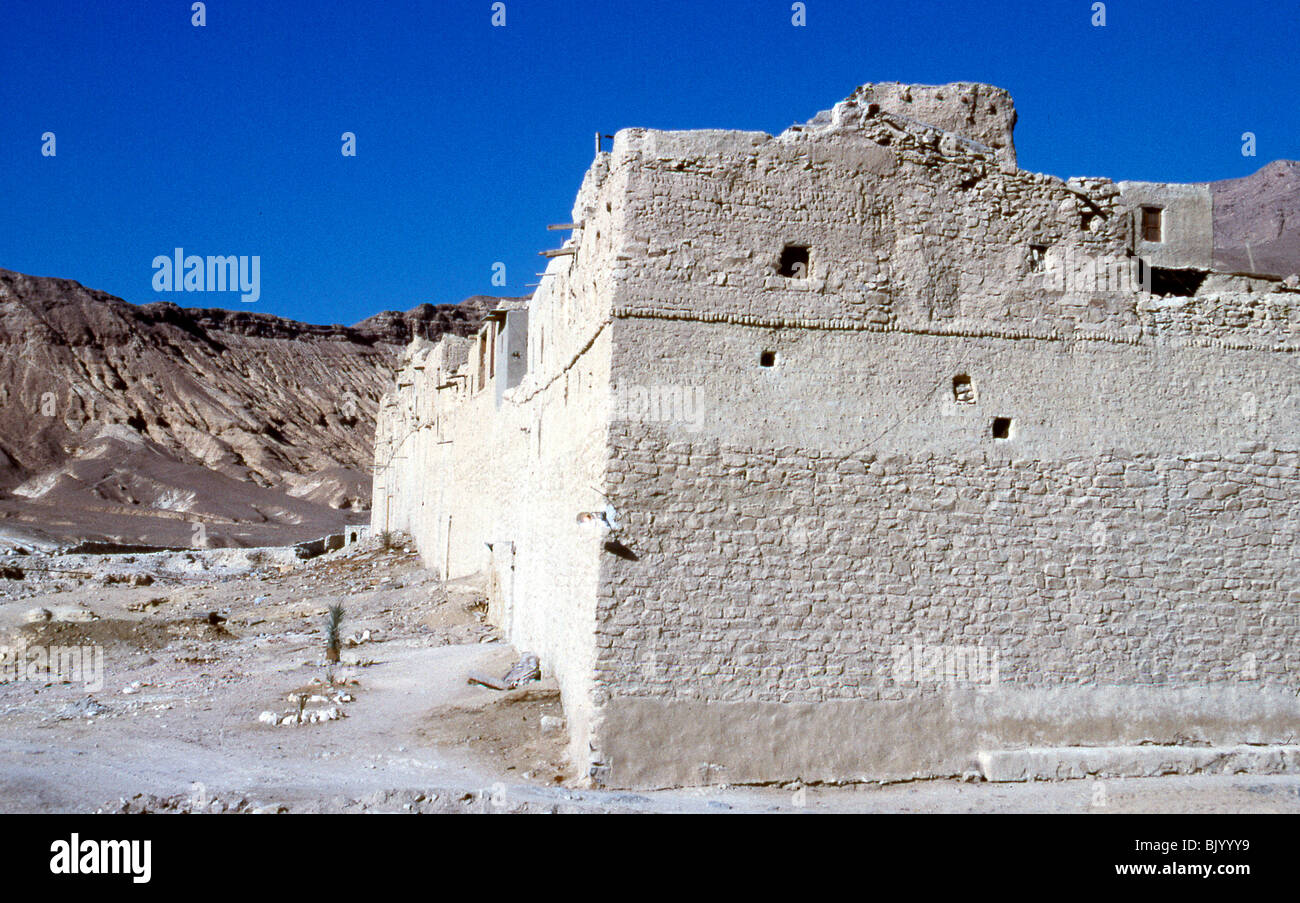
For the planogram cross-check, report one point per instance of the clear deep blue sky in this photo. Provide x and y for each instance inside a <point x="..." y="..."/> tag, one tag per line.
<point x="470" y="139"/>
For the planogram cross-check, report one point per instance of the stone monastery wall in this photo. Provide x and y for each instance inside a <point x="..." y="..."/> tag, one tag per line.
<point x="903" y="468"/>
<point x="490" y="492"/>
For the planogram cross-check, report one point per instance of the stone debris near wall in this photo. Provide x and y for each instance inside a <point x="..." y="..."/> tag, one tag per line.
<point x="914" y="454"/>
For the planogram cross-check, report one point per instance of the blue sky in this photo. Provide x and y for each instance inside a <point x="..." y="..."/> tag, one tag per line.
<point x="225" y="139"/>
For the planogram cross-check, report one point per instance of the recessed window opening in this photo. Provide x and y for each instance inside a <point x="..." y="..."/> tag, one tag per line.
<point x="963" y="391"/>
<point x="794" y="262"/>
<point x="1152" y="221"/>
<point x="767" y="359"/>
<point x="1085" y="220"/>
<point x="1037" y="256"/>
<point x="1170" y="283"/>
<point x="1001" y="427"/>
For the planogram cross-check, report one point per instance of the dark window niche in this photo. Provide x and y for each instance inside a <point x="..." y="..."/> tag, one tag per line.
<point x="963" y="390"/>
<point x="1152" y="224"/>
<point x="1001" y="427"/>
<point x="1037" y="256"/>
<point x="767" y="359"/>
<point x="794" y="262"/>
<point x="1169" y="283"/>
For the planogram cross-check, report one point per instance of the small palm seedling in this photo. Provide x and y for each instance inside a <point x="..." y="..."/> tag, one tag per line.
<point x="332" y="627"/>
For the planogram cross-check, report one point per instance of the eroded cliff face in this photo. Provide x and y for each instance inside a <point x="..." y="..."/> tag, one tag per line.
<point x="135" y="423"/>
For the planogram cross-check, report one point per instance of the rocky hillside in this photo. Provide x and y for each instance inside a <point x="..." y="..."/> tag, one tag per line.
<point x="136" y="423"/>
<point x="1257" y="221"/>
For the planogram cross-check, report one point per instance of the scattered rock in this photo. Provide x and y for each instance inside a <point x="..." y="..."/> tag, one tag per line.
<point x="309" y="716"/>
<point x="87" y="707"/>
<point x="378" y="798"/>
<point x="128" y="579"/>
<point x="145" y="606"/>
<point x="529" y="667"/>
<point x="630" y="799"/>
<point x="39" y="616"/>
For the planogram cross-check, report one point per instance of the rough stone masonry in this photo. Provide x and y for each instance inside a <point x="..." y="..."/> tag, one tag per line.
<point x="858" y="453"/>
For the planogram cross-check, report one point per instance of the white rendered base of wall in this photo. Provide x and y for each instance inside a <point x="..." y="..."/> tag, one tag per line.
<point x="647" y="743"/>
<point x="1064" y="763"/>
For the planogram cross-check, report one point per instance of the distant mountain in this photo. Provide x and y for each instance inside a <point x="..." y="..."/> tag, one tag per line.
<point x="134" y="423"/>
<point x="1257" y="221"/>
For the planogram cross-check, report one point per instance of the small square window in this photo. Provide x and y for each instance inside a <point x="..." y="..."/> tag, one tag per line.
<point x="963" y="390"/>
<point x="1001" y="427"/>
<point x="1151" y="224"/>
<point x="794" y="262"/>
<point x="767" y="359"/>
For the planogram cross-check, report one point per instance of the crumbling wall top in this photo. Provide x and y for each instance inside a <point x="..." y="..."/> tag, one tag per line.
<point x="983" y="113"/>
<point x="591" y="182"/>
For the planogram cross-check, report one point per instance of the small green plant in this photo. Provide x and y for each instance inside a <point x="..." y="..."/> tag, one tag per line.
<point x="332" y="628"/>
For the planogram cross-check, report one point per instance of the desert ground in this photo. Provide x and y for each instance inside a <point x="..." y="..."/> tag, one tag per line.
<point x="216" y="697"/>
